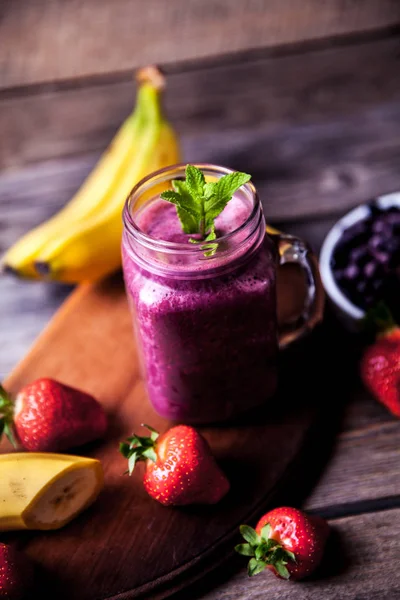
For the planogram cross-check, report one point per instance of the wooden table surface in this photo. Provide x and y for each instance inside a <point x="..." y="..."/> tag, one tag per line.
<point x="319" y="129"/>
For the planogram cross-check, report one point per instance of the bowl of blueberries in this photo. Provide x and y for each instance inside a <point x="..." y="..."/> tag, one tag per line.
<point x="360" y="261"/>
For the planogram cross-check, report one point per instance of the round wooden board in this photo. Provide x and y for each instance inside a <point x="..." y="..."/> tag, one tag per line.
<point x="127" y="545"/>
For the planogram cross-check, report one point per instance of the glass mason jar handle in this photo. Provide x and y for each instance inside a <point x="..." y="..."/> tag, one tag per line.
<point x="293" y="250"/>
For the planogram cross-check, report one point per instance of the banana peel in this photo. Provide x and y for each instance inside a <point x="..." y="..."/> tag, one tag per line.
<point x="82" y="241"/>
<point x="46" y="491"/>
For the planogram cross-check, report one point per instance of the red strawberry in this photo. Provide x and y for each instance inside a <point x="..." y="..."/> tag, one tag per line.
<point x="380" y="363"/>
<point x="16" y="574"/>
<point x="180" y="468"/>
<point x="49" y="416"/>
<point x="287" y="541"/>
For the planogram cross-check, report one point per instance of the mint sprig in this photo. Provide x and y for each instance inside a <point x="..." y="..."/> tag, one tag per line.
<point x="198" y="203"/>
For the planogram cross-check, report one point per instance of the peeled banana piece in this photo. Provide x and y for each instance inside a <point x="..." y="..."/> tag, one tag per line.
<point x="82" y="242"/>
<point x="46" y="491"/>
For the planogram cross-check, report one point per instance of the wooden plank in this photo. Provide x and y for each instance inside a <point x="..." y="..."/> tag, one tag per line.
<point x="308" y="171"/>
<point x="265" y="94"/>
<point x="361" y="561"/>
<point x="364" y="466"/>
<point x="52" y="40"/>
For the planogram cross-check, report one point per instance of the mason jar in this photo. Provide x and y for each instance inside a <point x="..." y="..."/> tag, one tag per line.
<point x="205" y="315"/>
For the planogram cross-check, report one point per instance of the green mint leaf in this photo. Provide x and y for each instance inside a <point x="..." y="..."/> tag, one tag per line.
<point x="266" y="532"/>
<point x="249" y="535"/>
<point x="184" y="209"/>
<point x="255" y="566"/>
<point x="212" y="235"/>
<point x="188" y="222"/>
<point x="195" y="181"/>
<point x="282" y="570"/>
<point x="209" y="190"/>
<point x="198" y="202"/>
<point x="223" y="191"/>
<point x="244" y="549"/>
<point x="171" y="196"/>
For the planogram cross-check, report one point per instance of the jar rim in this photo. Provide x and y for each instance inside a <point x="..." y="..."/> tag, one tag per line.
<point x="166" y="174"/>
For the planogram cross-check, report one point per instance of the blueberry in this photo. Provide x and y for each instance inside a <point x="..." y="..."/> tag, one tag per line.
<point x="379" y="226"/>
<point x="375" y="242"/>
<point x="351" y="272"/>
<point x="370" y="269"/>
<point x="359" y="255"/>
<point x="382" y="257"/>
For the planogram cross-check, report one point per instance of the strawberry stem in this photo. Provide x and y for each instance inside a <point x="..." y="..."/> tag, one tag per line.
<point x="6" y="416"/>
<point x="264" y="551"/>
<point x="379" y="319"/>
<point x="137" y="448"/>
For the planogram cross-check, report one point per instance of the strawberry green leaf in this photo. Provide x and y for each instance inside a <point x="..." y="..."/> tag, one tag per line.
<point x="132" y="463"/>
<point x="5" y="400"/>
<point x="137" y="448"/>
<point x="150" y="454"/>
<point x="266" y="532"/>
<point x="125" y="449"/>
<point x="244" y="549"/>
<point x="265" y="550"/>
<point x="153" y="432"/>
<point x="291" y="555"/>
<point x="379" y="319"/>
<point x="249" y="534"/>
<point x="282" y="570"/>
<point x="7" y="430"/>
<point x="255" y="566"/>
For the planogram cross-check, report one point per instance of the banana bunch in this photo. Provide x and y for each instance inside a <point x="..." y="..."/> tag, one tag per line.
<point x="82" y="241"/>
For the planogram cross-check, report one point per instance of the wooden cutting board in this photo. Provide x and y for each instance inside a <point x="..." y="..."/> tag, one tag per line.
<point x="127" y="545"/>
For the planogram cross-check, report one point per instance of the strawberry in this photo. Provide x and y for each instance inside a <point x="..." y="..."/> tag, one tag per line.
<point x="380" y="362"/>
<point x="16" y="574"/>
<point x="287" y="541"/>
<point x="180" y="468"/>
<point x="49" y="416"/>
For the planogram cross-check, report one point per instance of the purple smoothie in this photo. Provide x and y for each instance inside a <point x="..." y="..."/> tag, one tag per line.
<point x="208" y="342"/>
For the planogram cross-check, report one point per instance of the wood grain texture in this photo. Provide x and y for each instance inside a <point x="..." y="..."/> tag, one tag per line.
<point x="364" y="466"/>
<point x="360" y="563"/>
<point x="111" y="550"/>
<point x="49" y="40"/>
<point x="320" y="169"/>
<point x="270" y="93"/>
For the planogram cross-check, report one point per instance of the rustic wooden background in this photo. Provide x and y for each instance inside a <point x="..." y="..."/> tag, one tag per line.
<point x="309" y="104"/>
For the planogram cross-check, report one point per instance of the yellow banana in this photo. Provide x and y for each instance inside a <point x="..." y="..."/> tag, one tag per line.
<point x="94" y="191"/>
<point x="91" y="250"/>
<point x="45" y="491"/>
<point x="105" y="189"/>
